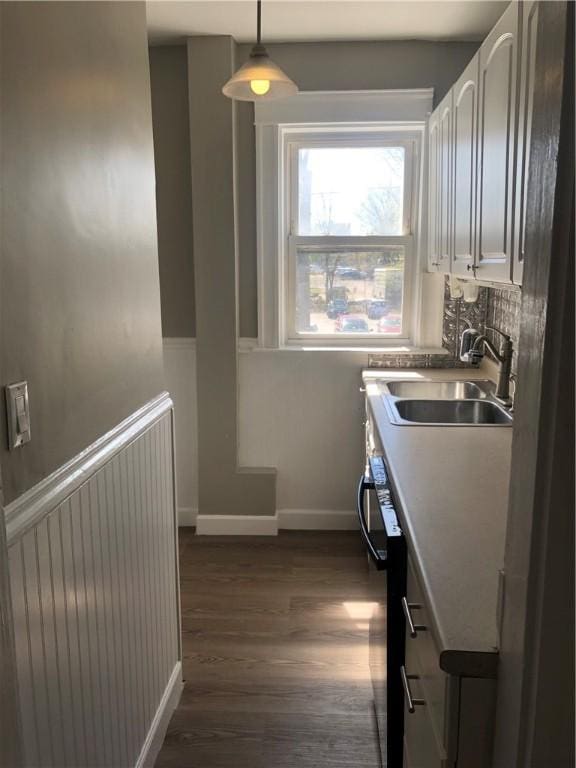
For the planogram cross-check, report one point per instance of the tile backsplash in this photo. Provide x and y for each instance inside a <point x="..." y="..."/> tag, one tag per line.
<point x="495" y="307"/>
<point x="503" y="313"/>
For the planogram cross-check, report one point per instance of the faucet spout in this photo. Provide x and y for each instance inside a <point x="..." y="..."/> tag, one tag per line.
<point x="502" y="357"/>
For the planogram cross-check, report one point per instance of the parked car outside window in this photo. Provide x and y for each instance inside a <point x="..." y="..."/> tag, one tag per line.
<point x="377" y="308"/>
<point x="350" y="273"/>
<point x="337" y="307"/>
<point x="352" y="324"/>
<point x="390" y="324"/>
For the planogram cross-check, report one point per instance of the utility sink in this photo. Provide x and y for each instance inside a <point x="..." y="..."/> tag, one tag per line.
<point x="441" y="390"/>
<point x="448" y="412"/>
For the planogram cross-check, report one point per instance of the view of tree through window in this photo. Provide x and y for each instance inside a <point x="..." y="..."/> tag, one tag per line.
<point x="351" y="288"/>
<point x="350" y="191"/>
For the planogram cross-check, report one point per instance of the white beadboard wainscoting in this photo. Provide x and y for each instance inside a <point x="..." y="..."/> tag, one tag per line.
<point x="94" y="579"/>
<point x="299" y="411"/>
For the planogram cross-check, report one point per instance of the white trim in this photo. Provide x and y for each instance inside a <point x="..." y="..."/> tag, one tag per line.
<point x="159" y="726"/>
<point x="245" y="343"/>
<point x="290" y="142"/>
<point x="251" y="345"/>
<point x="236" y="525"/>
<point x="346" y="106"/>
<point x="187" y="517"/>
<point x="311" y="112"/>
<point x="284" y="519"/>
<point x="27" y="510"/>
<point x="269" y="195"/>
<point x="401" y="350"/>
<point x="317" y="520"/>
<point x="179" y="342"/>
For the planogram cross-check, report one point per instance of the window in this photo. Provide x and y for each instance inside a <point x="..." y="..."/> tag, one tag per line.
<point x="349" y="240"/>
<point x="338" y="180"/>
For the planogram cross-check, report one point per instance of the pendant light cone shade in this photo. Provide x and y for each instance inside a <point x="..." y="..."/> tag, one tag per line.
<point x="259" y="79"/>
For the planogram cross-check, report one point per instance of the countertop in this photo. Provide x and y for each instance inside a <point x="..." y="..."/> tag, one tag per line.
<point x="451" y="484"/>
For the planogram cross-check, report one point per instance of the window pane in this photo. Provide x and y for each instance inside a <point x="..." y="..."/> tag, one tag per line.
<point x="350" y="191"/>
<point x="352" y="292"/>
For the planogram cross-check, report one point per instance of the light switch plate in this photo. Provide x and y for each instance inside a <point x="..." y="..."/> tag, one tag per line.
<point x="18" y="414"/>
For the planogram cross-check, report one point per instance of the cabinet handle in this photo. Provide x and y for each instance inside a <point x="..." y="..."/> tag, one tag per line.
<point x="411" y="703"/>
<point x="472" y="267"/>
<point x="413" y="629"/>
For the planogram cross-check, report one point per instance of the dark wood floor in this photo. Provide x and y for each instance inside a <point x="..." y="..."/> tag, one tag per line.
<point x="275" y="650"/>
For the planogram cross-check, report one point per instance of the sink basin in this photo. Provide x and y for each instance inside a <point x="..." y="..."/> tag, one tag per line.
<point x="441" y="390"/>
<point x="448" y="412"/>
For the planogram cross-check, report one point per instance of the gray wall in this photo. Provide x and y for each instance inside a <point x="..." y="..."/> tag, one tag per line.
<point x="80" y="310"/>
<point x="314" y="66"/>
<point x="169" y="80"/>
<point x="223" y="487"/>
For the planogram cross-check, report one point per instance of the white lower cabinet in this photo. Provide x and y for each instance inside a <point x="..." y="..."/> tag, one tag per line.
<point x="452" y="718"/>
<point x="423" y="744"/>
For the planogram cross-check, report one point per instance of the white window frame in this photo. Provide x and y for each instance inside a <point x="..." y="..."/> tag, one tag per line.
<point x="363" y="118"/>
<point x="294" y="139"/>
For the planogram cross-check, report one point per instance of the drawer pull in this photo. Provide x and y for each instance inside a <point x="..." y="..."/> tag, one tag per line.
<point x="411" y="703"/>
<point x="413" y="629"/>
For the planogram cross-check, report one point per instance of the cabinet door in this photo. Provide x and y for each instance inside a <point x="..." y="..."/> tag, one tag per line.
<point x="433" y="192"/>
<point x="465" y="112"/>
<point x="496" y="145"/>
<point x="445" y="182"/>
<point x="527" y="70"/>
<point x="421" y="747"/>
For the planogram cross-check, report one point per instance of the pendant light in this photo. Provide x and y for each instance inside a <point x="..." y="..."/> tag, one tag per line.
<point x="259" y="78"/>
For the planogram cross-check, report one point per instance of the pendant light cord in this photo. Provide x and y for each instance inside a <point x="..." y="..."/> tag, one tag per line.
<point x="259" y="21"/>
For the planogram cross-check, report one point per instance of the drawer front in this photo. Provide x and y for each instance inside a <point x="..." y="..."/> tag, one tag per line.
<point x="419" y="741"/>
<point x="439" y="690"/>
<point x="421" y="748"/>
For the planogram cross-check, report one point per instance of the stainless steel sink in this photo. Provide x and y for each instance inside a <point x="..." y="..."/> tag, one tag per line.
<point x="448" y="412"/>
<point x="441" y="390"/>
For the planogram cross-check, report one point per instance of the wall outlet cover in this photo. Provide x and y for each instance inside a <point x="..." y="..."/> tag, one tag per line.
<point x="18" y="414"/>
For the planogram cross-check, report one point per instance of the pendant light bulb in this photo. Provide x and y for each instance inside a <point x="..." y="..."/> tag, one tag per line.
<point x="259" y="78"/>
<point x="260" y="87"/>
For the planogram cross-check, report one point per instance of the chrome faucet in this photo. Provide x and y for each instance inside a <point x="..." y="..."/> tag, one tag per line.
<point x="472" y="346"/>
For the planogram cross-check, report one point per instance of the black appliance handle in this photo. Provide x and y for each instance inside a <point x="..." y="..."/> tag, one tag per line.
<point x="377" y="556"/>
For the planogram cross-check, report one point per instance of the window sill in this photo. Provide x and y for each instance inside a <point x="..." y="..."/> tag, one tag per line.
<point x="402" y="350"/>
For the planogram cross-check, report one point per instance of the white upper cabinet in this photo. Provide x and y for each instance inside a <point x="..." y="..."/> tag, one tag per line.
<point x="479" y="143"/>
<point x="527" y="70"/>
<point x="440" y="186"/>
<point x="445" y="186"/>
<point x="496" y="148"/>
<point x="465" y="114"/>
<point x="433" y="193"/>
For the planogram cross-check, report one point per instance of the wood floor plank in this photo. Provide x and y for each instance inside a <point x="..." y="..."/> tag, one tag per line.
<point x="275" y="654"/>
<point x="286" y="696"/>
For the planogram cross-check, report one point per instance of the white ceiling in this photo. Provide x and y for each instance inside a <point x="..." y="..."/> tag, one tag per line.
<point x="315" y="20"/>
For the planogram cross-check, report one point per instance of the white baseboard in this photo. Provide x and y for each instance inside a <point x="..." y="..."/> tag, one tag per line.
<point x="317" y="520"/>
<point x="237" y="525"/>
<point x="187" y="517"/>
<point x="157" y="732"/>
<point x="269" y="525"/>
